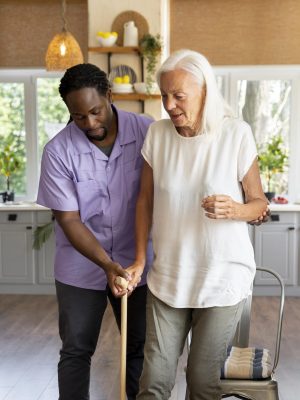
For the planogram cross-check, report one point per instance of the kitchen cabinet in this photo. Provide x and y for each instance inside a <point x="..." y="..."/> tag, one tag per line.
<point x="45" y="256"/>
<point x="16" y="256"/>
<point x="276" y="247"/>
<point x="23" y="269"/>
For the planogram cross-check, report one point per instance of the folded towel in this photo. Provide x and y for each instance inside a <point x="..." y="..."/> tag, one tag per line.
<point x="246" y="363"/>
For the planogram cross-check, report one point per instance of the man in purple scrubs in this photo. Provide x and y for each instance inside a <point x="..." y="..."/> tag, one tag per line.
<point x="90" y="177"/>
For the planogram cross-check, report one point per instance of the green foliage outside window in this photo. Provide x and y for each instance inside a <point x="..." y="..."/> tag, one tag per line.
<point x="12" y="135"/>
<point x="273" y="158"/>
<point x="50" y="110"/>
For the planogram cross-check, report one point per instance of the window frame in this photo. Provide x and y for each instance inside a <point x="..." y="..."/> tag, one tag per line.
<point x="232" y="74"/>
<point x="29" y="78"/>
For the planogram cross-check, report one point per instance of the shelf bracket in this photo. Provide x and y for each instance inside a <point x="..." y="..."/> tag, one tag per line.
<point x="109" y="62"/>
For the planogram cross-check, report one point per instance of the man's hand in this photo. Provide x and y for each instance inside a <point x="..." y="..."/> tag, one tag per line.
<point x="263" y="218"/>
<point x="113" y="270"/>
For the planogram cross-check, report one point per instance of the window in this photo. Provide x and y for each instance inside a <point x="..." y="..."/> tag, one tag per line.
<point x="31" y="112"/>
<point x="268" y="99"/>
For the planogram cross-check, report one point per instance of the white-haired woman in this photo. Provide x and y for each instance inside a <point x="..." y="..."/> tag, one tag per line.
<point x="197" y="165"/>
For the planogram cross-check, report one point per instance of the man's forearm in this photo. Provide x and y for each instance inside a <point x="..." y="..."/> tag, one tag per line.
<point x="83" y="240"/>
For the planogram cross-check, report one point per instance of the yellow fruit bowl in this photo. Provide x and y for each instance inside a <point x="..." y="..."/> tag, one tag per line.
<point x="107" y="39"/>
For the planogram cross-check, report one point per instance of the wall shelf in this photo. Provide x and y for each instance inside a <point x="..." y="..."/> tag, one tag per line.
<point x="115" y="50"/>
<point x="109" y="51"/>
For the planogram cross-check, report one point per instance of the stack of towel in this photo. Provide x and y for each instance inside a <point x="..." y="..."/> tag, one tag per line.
<point x="246" y="363"/>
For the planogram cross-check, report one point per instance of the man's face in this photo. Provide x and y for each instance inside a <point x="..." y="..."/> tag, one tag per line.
<point x="91" y="112"/>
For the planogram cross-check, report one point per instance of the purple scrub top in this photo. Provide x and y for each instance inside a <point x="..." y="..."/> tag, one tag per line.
<point x="76" y="175"/>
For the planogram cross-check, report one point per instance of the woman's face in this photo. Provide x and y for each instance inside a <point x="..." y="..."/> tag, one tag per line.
<point x="183" y="99"/>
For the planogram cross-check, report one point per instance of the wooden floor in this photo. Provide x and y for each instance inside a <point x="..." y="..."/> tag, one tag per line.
<point x="29" y="346"/>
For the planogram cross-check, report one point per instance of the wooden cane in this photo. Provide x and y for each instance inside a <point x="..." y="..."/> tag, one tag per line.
<point x="123" y="283"/>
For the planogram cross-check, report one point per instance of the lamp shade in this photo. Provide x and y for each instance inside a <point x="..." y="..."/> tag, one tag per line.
<point x="63" y="52"/>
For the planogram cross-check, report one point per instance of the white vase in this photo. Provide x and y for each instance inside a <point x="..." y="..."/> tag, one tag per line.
<point x="130" y="34"/>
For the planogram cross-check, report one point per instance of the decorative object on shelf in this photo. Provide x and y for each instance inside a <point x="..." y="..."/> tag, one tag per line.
<point x="130" y="34"/>
<point x="42" y="233"/>
<point x="9" y="162"/>
<point x="122" y="88"/>
<point x="122" y="84"/>
<point x="150" y="48"/>
<point x="139" y="21"/>
<point x="122" y="71"/>
<point x="140" y="87"/>
<point x="107" y="39"/>
<point x="272" y="160"/>
<point x="63" y="51"/>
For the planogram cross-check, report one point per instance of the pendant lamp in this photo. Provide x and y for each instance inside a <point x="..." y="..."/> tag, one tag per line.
<point x="63" y="51"/>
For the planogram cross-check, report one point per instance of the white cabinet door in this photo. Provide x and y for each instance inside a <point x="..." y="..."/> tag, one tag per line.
<point x="16" y="254"/>
<point x="45" y="256"/>
<point x="45" y="260"/>
<point x="275" y="248"/>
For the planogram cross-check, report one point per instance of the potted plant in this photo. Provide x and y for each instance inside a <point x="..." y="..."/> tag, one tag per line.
<point x="272" y="160"/>
<point x="9" y="162"/>
<point x="150" y="48"/>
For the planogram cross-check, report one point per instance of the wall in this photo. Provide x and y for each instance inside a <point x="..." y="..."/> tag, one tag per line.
<point x="101" y="16"/>
<point x="27" y="27"/>
<point x="233" y="32"/>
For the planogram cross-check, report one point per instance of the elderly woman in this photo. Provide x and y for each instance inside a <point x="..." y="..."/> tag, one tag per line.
<point x="197" y="166"/>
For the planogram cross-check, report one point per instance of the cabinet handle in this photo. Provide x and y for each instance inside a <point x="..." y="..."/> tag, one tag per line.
<point x="275" y="217"/>
<point x="28" y="227"/>
<point x="291" y="228"/>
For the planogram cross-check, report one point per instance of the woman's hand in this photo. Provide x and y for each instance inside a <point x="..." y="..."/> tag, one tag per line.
<point x="221" y="206"/>
<point x="135" y="271"/>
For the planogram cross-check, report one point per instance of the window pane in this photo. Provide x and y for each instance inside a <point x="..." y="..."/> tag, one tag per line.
<point x="12" y="138"/>
<point x="52" y="111"/>
<point x="266" y="106"/>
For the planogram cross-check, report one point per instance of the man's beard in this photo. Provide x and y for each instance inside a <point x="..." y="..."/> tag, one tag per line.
<point x="98" y="138"/>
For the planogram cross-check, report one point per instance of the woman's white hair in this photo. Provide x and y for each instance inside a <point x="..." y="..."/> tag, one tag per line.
<point x="215" y="107"/>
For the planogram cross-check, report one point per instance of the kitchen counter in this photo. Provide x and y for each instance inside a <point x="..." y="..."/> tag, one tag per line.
<point x="21" y="206"/>
<point x="284" y="207"/>
<point x="32" y="206"/>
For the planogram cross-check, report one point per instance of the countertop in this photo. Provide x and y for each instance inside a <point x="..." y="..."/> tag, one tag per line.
<point x="22" y="206"/>
<point x="284" y="207"/>
<point x="31" y="206"/>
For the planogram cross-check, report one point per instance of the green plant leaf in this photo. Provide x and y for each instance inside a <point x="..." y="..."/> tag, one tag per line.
<point x="42" y="234"/>
<point x="272" y="158"/>
<point x="150" y="47"/>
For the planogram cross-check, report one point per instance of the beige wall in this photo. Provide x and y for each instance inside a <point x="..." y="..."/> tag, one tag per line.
<point x="238" y="32"/>
<point x="27" y="27"/>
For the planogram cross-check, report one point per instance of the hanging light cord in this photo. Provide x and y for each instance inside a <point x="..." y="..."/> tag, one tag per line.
<point x="64" y="6"/>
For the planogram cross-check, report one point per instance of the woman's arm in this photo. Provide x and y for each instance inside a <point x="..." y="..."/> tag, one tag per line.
<point x="224" y="207"/>
<point x="144" y="211"/>
<point x="83" y="240"/>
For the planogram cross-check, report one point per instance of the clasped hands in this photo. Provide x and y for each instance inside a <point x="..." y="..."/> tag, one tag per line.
<point x="132" y="274"/>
